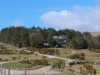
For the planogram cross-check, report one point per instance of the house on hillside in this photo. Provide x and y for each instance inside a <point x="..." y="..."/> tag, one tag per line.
<point x="59" y="39"/>
<point x="56" y="41"/>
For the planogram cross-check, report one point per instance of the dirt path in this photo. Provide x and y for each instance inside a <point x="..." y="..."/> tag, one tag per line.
<point x="45" y="70"/>
<point x="51" y="56"/>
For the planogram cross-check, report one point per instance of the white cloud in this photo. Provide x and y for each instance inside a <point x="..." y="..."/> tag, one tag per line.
<point x="78" y="18"/>
<point x="17" y="23"/>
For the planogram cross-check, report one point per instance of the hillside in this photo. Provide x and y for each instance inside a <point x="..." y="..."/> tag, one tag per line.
<point x="95" y="34"/>
<point x="39" y="37"/>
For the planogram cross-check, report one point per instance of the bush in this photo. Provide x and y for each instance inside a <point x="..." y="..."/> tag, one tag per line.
<point x="59" y="64"/>
<point x="6" y="51"/>
<point x="44" y="61"/>
<point x="78" y="56"/>
<point x="87" y="69"/>
<point x="2" y="47"/>
<point x="25" y="62"/>
<point x="6" y="60"/>
<point x="13" y="58"/>
<point x="88" y="66"/>
<point x="0" y="59"/>
<point x="35" y="62"/>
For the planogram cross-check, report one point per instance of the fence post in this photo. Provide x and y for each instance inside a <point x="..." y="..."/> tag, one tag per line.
<point x="8" y="71"/>
<point x="25" y="72"/>
<point x="4" y="71"/>
<point x="43" y="73"/>
<point x="1" y="65"/>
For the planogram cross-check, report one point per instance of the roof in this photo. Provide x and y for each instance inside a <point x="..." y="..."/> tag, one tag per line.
<point x="59" y="37"/>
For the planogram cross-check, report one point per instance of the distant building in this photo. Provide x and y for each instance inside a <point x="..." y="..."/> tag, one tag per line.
<point x="59" y="39"/>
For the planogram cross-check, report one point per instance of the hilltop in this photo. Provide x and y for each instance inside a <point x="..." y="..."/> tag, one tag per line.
<point x="95" y="34"/>
<point x="50" y="37"/>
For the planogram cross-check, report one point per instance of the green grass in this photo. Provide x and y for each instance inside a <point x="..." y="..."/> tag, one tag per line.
<point x="16" y="65"/>
<point x="19" y="66"/>
<point x="97" y="67"/>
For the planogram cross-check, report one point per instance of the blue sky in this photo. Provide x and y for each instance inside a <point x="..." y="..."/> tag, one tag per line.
<point x="51" y="13"/>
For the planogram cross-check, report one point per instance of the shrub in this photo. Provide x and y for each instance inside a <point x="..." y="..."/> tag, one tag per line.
<point x="44" y="61"/>
<point x="78" y="56"/>
<point x="6" y="60"/>
<point x="2" y="47"/>
<point x="13" y="58"/>
<point x="88" y="66"/>
<point x="87" y="69"/>
<point x="35" y="62"/>
<point x="25" y="62"/>
<point x="0" y="59"/>
<point x="59" y="64"/>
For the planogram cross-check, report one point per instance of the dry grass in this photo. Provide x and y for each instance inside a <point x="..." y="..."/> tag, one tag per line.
<point x="97" y="67"/>
<point x="95" y="34"/>
<point x="19" y="57"/>
<point x="66" y="52"/>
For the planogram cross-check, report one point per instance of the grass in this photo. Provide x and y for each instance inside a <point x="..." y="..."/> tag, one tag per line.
<point x="90" y="56"/>
<point x="19" y="66"/>
<point x="61" y="70"/>
<point x="95" y="34"/>
<point x="19" y="57"/>
<point x="16" y="65"/>
<point x="50" y="61"/>
<point x="97" y="67"/>
<point x="66" y="52"/>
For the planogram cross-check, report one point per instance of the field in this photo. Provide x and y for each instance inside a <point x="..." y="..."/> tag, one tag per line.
<point x="95" y="34"/>
<point x="19" y="66"/>
<point x="90" y="56"/>
<point x="19" y="57"/>
<point x="63" y="52"/>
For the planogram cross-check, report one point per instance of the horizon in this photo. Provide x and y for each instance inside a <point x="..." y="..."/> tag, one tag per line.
<point x="77" y="15"/>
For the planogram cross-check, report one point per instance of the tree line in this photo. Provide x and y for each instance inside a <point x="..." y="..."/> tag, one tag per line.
<point x="36" y="36"/>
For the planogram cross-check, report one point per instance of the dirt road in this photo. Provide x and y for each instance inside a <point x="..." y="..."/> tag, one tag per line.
<point x="42" y="71"/>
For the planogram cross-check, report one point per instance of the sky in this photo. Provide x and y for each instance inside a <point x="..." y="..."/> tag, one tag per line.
<point x="81" y="15"/>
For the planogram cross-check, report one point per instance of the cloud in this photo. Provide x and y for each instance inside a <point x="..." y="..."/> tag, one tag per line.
<point x="78" y="18"/>
<point x="17" y="23"/>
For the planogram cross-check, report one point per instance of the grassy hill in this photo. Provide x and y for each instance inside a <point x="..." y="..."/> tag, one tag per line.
<point x="95" y="34"/>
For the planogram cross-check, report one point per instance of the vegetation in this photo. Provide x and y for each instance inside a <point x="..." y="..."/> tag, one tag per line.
<point x="27" y="64"/>
<point x="20" y="66"/>
<point x="35" y="37"/>
<point x="78" y="56"/>
<point x="60" y="64"/>
<point x="87" y="69"/>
